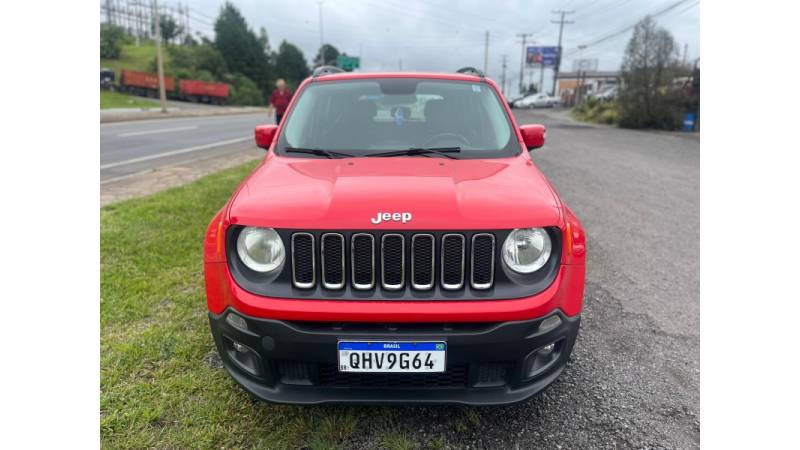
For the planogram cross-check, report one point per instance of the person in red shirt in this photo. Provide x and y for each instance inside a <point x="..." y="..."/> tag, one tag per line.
<point x="280" y="99"/>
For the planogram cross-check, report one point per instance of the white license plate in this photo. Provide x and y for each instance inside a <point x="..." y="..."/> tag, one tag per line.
<point x="391" y="356"/>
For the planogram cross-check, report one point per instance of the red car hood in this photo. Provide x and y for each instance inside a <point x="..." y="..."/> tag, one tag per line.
<point x="304" y="193"/>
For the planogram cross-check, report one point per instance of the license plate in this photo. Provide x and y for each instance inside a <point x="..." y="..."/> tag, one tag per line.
<point x="391" y="356"/>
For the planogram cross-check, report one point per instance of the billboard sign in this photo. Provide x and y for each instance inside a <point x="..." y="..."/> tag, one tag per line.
<point x="541" y="56"/>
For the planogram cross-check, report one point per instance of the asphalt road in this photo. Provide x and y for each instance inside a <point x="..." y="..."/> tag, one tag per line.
<point x="134" y="146"/>
<point x="633" y="381"/>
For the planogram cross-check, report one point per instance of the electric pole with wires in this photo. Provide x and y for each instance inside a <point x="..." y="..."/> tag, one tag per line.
<point x="561" y="24"/>
<point x="503" y="60"/>
<point x="486" y="54"/>
<point x="162" y="93"/>
<point x="524" y="36"/>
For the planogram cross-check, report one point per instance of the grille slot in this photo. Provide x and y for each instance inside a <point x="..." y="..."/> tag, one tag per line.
<point x="332" y="255"/>
<point x="363" y="258"/>
<point x="452" y="261"/>
<point x="482" y="261"/>
<point x="423" y="261"/>
<point x="454" y="377"/>
<point x="393" y="261"/>
<point x="303" y="260"/>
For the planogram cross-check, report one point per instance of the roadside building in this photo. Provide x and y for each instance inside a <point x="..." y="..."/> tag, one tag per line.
<point x="573" y="87"/>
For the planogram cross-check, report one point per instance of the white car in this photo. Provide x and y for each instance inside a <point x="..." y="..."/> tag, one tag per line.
<point x="540" y="100"/>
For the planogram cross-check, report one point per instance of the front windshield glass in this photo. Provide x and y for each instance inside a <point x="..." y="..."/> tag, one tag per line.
<point x="366" y="117"/>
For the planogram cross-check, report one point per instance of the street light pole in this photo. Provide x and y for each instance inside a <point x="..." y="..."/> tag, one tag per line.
<point x="321" y="41"/>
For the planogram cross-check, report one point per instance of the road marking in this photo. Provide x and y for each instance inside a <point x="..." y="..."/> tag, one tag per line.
<point x="163" y="130"/>
<point x="174" y="152"/>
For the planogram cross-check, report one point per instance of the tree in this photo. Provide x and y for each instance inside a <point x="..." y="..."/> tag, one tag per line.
<point x="111" y="39"/>
<point x="169" y="28"/>
<point x="245" y="92"/>
<point x="647" y="99"/>
<point x="291" y="64"/>
<point x="241" y="48"/>
<point x="326" y="56"/>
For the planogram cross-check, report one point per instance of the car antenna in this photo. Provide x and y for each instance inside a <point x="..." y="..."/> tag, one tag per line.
<point x="468" y="70"/>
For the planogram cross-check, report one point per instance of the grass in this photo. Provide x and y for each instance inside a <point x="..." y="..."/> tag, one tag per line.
<point x="118" y="100"/>
<point x="161" y="382"/>
<point x="134" y="58"/>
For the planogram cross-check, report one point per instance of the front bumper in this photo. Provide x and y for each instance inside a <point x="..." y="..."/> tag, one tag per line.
<point x="487" y="363"/>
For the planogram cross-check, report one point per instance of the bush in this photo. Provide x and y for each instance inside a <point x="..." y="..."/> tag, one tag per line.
<point x="111" y="40"/>
<point x="597" y="111"/>
<point x="245" y="92"/>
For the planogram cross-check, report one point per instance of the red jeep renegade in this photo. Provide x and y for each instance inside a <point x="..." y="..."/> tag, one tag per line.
<point x="396" y="244"/>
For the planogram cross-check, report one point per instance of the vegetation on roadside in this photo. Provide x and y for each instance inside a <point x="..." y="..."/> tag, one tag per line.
<point x="118" y="100"/>
<point x="597" y="111"/>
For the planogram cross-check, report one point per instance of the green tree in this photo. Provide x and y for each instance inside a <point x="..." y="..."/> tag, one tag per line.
<point x="169" y="28"/>
<point x="241" y="48"/>
<point x="647" y="99"/>
<point x="111" y="39"/>
<point x="245" y="92"/>
<point x="326" y="56"/>
<point x="291" y="64"/>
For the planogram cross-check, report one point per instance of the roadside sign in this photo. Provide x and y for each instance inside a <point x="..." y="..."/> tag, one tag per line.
<point x="585" y="65"/>
<point x="541" y="56"/>
<point x="348" y="63"/>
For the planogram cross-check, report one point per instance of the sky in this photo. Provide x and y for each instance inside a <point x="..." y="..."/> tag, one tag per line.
<point x="444" y="35"/>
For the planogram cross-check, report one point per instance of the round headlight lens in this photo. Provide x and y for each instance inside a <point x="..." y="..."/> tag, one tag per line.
<point x="526" y="250"/>
<point x="260" y="249"/>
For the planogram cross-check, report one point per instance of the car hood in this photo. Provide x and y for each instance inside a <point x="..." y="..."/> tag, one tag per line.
<point x="305" y="193"/>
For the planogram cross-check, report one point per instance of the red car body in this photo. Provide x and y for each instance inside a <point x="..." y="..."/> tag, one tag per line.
<point x="296" y="193"/>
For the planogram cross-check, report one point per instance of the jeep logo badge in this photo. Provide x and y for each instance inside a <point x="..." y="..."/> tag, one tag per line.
<point x="394" y="217"/>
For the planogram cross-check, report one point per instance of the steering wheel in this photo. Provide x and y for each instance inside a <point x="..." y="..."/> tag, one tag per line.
<point x="448" y="138"/>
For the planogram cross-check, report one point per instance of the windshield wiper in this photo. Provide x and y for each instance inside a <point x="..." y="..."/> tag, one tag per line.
<point x="442" y="151"/>
<point x="318" y="152"/>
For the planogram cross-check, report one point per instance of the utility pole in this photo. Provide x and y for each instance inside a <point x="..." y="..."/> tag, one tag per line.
<point x="108" y="13"/>
<point x="685" y="51"/>
<point x="486" y="54"/>
<point x="162" y="93"/>
<point x="524" y="36"/>
<point x="561" y="24"/>
<point x="503" y="76"/>
<point x="319" y="2"/>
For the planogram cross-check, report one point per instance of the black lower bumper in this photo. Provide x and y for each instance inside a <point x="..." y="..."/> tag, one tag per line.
<point x="487" y="363"/>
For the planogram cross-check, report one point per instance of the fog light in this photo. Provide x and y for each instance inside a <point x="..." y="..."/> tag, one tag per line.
<point x="549" y="323"/>
<point x="547" y="349"/>
<point x="239" y="347"/>
<point x="236" y="321"/>
<point x="540" y="360"/>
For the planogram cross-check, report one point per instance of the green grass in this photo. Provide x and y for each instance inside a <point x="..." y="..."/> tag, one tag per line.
<point x="118" y="100"/>
<point x="161" y="382"/>
<point x="134" y="58"/>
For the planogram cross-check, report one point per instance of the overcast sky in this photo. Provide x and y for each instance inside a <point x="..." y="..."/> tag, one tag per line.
<point x="443" y="35"/>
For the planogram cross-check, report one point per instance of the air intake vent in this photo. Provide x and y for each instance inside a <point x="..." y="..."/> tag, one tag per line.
<point x="393" y="266"/>
<point x="452" y="261"/>
<point x="303" y="260"/>
<point x="422" y="261"/>
<point x="482" y="261"/>
<point x="363" y="257"/>
<point x="332" y="250"/>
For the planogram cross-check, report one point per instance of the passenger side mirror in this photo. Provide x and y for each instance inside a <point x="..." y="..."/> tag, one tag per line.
<point x="264" y="135"/>
<point x="533" y="135"/>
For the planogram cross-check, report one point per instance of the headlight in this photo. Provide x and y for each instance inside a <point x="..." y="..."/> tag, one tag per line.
<point x="526" y="250"/>
<point x="260" y="249"/>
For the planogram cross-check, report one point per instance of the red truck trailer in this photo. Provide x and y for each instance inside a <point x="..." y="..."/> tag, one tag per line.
<point x="203" y="91"/>
<point x="143" y="83"/>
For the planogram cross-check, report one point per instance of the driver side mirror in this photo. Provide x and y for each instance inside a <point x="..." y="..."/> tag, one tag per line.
<point x="533" y="135"/>
<point x="264" y="135"/>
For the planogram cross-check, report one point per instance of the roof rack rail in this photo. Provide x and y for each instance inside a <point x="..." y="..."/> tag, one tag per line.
<point x="471" y="71"/>
<point x="326" y="70"/>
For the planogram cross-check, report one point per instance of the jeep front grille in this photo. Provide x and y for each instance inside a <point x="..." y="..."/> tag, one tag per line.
<point x="368" y="261"/>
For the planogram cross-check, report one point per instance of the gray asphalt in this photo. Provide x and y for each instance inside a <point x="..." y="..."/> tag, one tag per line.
<point x="134" y="146"/>
<point x="633" y="381"/>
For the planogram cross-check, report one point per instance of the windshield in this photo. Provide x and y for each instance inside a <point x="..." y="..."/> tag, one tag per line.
<point x="367" y="117"/>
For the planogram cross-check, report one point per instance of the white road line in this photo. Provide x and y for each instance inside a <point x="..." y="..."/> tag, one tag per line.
<point x="162" y="130"/>
<point x="175" y="152"/>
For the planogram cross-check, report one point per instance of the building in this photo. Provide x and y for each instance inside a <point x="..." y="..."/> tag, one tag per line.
<point x="573" y="86"/>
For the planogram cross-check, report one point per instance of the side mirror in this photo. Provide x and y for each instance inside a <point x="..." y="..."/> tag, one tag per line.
<point x="264" y="135"/>
<point x="533" y="135"/>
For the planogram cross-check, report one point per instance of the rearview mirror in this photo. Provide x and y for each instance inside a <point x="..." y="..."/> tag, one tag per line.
<point x="264" y="135"/>
<point x="533" y="135"/>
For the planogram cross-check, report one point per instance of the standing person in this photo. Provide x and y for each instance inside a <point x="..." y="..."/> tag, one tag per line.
<point x="280" y="99"/>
